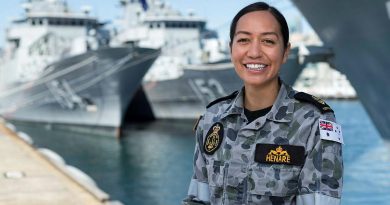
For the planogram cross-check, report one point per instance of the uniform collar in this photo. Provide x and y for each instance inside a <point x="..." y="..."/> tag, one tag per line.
<point x="283" y="107"/>
<point x="237" y="105"/>
<point x="281" y="110"/>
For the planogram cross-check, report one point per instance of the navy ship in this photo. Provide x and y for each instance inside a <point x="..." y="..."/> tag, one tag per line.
<point x="359" y="34"/>
<point x="58" y="67"/>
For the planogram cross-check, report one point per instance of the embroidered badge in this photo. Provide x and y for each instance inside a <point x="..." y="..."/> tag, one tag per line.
<point x="279" y="154"/>
<point x="330" y="131"/>
<point x="214" y="138"/>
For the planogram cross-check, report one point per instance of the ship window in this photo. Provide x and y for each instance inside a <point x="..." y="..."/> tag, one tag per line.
<point x="158" y="25"/>
<point x="33" y="22"/>
<point x="40" y="22"/>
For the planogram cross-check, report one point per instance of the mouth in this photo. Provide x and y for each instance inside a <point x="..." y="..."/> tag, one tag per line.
<point x="255" y="67"/>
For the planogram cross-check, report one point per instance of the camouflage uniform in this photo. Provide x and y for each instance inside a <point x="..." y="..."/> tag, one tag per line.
<point x="230" y="175"/>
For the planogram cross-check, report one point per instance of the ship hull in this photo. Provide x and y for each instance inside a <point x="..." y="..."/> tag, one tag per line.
<point x="186" y="97"/>
<point x="94" y="89"/>
<point x="358" y="33"/>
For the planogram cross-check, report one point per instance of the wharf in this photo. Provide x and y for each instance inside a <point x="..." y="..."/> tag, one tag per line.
<point x="28" y="177"/>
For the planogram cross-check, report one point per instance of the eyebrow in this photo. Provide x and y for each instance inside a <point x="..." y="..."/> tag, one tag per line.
<point x="264" y="33"/>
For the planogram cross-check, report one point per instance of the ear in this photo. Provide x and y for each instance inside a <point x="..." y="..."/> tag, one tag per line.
<point x="286" y="52"/>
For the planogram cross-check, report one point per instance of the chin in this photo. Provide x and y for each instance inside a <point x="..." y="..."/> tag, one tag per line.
<point x="258" y="82"/>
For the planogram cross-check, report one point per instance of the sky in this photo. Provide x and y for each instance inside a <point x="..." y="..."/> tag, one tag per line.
<point x="218" y="13"/>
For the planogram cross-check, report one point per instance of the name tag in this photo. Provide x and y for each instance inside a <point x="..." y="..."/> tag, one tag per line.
<point x="280" y="154"/>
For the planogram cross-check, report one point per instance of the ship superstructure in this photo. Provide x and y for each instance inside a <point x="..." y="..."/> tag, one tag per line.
<point x="46" y="33"/>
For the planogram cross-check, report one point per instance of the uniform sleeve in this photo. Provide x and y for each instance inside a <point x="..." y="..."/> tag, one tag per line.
<point x="198" y="191"/>
<point x="321" y="178"/>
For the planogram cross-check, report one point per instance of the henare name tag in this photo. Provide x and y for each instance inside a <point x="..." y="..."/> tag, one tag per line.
<point x="280" y="154"/>
<point x="330" y="131"/>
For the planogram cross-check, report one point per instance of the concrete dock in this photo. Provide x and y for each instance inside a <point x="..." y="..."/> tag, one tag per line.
<point x="28" y="177"/>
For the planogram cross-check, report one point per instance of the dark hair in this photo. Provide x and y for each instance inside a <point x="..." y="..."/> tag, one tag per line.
<point x="261" y="6"/>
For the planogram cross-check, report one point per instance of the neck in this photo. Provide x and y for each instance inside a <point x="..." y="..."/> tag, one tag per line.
<point x="257" y="98"/>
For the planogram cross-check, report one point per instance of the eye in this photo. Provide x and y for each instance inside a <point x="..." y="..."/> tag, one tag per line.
<point x="243" y="40"/>
<point x="269" y="42"/>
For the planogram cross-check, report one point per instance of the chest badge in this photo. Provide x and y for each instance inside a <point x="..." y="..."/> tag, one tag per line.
<point x="213" y="139"/>
<point x="278" y="155"/>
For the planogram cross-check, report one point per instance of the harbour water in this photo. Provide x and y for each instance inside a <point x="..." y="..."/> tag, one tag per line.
<point x="152" y="164"/>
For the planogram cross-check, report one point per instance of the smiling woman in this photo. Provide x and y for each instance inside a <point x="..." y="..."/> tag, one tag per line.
<point x="265" y="144"/>
<point x="257" y="54"/>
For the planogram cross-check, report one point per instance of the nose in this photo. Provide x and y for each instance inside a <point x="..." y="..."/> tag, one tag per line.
<point x="255" y="50"/>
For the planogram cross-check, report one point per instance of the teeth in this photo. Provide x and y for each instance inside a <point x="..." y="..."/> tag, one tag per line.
<point x="255" y="66"/>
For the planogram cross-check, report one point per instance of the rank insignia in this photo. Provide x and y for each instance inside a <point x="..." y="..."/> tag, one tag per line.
<point x="214" y="138"/>
<point x="318" y="102"/>
<point x="279" y="154"/>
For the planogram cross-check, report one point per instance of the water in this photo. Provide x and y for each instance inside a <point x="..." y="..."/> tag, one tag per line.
<point x="152" y="164"/>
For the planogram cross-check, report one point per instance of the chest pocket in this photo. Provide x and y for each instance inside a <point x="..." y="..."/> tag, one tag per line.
<point x="273" y="180"/>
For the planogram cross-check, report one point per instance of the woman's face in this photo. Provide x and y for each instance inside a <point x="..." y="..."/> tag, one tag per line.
<point x="257" y="48"/>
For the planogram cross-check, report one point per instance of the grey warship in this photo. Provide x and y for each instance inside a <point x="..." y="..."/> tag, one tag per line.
<point x="58" y="67"/>
<point x="359" y="34"/>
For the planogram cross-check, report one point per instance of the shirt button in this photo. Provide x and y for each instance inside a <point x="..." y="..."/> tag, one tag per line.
<point x="257" y="124"/>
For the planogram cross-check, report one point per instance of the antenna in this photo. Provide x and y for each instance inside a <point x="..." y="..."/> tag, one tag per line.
<point x="86" y="9"/>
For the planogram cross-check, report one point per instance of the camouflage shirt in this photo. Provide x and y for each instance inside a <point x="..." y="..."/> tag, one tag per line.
<point x="282" y="158"/>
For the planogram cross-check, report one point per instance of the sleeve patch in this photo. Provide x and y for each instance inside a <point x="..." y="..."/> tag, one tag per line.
<point x="330" y="131"/>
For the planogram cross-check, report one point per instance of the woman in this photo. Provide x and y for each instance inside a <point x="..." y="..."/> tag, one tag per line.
<point x="266" y="144"/>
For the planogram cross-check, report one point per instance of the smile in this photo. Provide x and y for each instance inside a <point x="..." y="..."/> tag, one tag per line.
<point x="255" y="67"/>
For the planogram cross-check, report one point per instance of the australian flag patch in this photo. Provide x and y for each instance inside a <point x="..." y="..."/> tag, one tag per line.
<point x="330" y="131"/>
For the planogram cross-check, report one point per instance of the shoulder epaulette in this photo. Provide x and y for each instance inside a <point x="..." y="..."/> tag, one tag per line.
<point x="231" y="96"/>
<point x="318" y="102"/>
